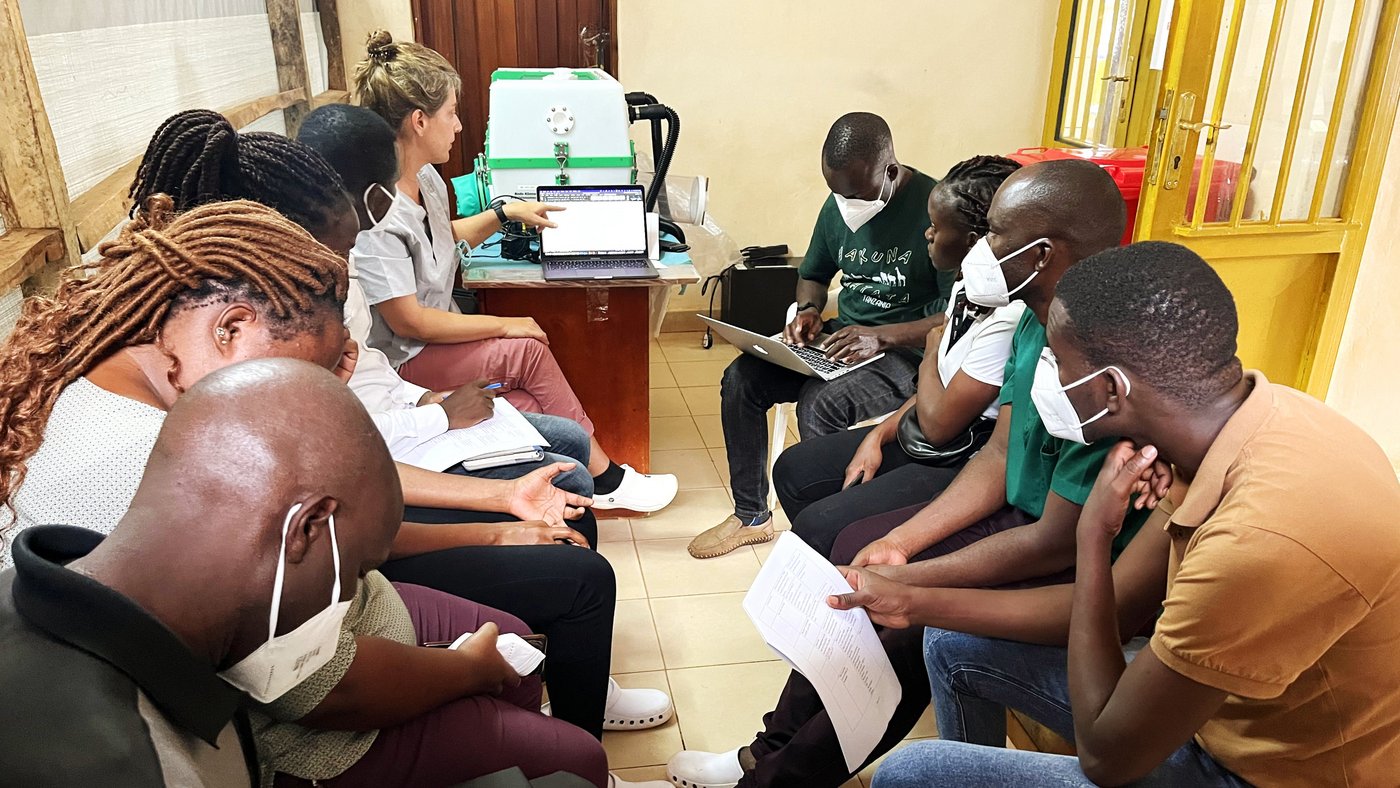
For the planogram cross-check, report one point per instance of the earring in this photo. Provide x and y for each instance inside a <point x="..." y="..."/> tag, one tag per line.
<point x="222" y="334"/>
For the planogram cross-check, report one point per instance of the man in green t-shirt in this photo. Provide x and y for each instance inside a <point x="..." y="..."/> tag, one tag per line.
<point x="871" y="229"/>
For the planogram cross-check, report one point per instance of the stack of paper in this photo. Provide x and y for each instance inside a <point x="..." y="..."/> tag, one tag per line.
<point x="504" y="439"/>
<point x="837" y="650"/>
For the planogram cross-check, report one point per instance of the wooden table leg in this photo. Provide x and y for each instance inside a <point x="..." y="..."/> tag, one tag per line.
<point x="599" y="335"/>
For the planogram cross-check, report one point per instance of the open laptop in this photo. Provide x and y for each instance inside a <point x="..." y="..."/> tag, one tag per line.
<point x="809" y="361"/>
<point x="601" y="235"/>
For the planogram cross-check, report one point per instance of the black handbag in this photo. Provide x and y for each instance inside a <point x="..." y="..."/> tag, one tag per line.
<point x="954" y="452"/>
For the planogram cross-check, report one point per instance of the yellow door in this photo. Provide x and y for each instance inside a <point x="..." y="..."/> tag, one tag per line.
<point x="1103" y="82"/>
<point x="1270" y="129"/>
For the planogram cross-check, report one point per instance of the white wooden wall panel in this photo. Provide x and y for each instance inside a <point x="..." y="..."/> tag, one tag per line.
<point x="106" y="90"/>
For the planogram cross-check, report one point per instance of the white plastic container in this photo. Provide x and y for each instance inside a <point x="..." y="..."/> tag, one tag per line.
<point x="539" y="117"/>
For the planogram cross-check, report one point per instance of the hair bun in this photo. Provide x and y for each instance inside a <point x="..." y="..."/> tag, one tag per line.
<point x="156" y="212"/>
<point x="381" y="46"/>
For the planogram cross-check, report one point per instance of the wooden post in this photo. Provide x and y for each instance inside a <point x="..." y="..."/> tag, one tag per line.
<point x="33" y="193"/>
<point x="284" y="20"/>
<point x="335" y="54"/>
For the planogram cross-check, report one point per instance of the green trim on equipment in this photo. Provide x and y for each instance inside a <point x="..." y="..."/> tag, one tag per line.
<point x="545" y="162"/>
<point x="523" y="74"/>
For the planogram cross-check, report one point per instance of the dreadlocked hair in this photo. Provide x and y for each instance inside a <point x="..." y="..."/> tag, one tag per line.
<point x="196" y="157"/>
<point x="155" y="268"/>
<point x="972" y="184"/>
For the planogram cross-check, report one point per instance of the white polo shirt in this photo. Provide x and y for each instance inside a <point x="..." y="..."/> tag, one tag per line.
<point x="413" y="253"/>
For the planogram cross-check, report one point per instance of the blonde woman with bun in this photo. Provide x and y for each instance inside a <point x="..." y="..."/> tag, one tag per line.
<point x="407" y="264"/>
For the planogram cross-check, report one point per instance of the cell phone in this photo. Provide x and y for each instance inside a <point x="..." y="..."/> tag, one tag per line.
<point x="540" y="642"/>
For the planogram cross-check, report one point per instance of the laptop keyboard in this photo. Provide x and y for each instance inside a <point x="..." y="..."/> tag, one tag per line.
<point x="818" y="360"/>
<point x="581" y="264"/>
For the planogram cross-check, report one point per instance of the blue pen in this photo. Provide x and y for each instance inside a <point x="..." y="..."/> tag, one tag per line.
<point x="494" y="386"/>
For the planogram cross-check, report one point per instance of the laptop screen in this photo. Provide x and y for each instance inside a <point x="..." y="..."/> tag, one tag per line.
<point x="598" y="220"/>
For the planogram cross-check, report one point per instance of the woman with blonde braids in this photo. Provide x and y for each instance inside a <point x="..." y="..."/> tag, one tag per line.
<point x="407" y="263"/>
<point x="85" y="382"/>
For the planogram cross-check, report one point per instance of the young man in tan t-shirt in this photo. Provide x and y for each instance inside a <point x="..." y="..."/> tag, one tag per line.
<point x="1274" y="659"/>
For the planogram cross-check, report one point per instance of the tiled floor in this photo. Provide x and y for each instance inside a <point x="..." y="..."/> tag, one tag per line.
<point x="679" y="622"/>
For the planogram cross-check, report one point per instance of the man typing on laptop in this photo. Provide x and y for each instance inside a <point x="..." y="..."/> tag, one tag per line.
<point x="871" y="229"/>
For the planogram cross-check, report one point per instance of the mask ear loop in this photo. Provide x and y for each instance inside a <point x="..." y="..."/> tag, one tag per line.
<point x="1034" y="273"/>
<point x="1127" y="389"/>
<point x="281" y="573"/>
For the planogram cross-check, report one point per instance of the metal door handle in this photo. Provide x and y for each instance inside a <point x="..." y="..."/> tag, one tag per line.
<point x="1200" y="124"/>
<point x="1114" y="78"/>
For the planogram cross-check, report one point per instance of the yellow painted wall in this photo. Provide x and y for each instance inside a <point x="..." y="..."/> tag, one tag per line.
<point x="757" y="85"/>
<point x="1366" y="381"/>
<point x="359" y="17"/>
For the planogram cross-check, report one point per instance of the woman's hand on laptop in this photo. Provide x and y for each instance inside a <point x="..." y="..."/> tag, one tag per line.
<point x="531" y="214"/>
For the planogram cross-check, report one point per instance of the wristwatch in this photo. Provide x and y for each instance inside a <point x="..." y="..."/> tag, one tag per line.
<point x="501" y="214"/>
<point x="808" y="305"/>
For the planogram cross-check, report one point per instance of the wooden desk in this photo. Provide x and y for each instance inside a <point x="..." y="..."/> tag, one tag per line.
<point x="599" y="332"/>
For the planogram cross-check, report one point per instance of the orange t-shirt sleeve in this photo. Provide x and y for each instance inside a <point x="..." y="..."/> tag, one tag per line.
<point x="1249" y="610"/>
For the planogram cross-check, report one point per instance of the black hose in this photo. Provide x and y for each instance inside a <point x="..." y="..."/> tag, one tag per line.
<point x="654" y="113"/>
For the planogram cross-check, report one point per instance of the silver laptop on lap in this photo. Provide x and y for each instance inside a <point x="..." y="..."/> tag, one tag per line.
<point x="602" y="234"/>
<point x="809" y="361"/>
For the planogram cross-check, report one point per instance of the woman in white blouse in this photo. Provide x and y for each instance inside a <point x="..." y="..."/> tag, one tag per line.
<point x="407" y="264"/>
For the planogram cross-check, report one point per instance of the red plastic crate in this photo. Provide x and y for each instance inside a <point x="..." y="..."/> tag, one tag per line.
<point x="1127" y="166"/>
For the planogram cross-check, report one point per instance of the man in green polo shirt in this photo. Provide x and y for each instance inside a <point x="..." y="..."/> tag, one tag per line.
<point x="871" y="229"/>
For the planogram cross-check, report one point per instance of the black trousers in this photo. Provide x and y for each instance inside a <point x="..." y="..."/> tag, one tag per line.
<point x="808" y="478"/>
<point x="564" y="592"/>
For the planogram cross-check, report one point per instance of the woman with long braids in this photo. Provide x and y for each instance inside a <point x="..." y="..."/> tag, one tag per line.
<point x="958" y="387"/>
<point x="408" y="261"/>
<point x="87" y="378"/>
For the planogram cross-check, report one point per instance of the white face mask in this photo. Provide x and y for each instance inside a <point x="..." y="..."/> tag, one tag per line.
<point x="383" y="220"/>
<point x="1051" y="399"/>
<point x="983" y="280"/>
<point x="857" y="213"/>
<point x="284" y="661"/>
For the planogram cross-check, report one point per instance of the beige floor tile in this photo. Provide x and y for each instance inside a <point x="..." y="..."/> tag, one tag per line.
<point x="698" y="373"/>
<point x="693" y="467"/>
<point x="660" y="375"/>
<point x="666" y="403"/>
<point x="926" y="727"/>
<point x="674" y="432"/>
<point x="615" y="530"/>
<point x="721" y="706"/>
<point x="692" y="512"/>
<point x="654" y="352"/>
<point x="763" y="551"/>
<point x="623" y="557"/>
<point x="632" y="749"/>
<point x="708" y="629"/>
<point x="780" y="520"/>
<point x="720" y="459"/>
<point x="712" y="433"/>
<point x="702" y="400"/>
<point x="867" y="775"/>
<point x="642" y="774"/>
<point x="685" y="346"/>
<point x="635" y="644"/>
<point x="670" y="571"/>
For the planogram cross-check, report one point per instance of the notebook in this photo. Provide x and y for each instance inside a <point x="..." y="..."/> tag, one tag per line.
<point x="504" y="439"/>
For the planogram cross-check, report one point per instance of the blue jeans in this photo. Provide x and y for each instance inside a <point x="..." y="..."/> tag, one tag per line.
<point x="568" y="442"/>
<point x="974" y="681"/>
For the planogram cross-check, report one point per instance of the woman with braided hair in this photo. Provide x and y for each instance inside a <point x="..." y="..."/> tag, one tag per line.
<point x="171" y="300"/>
<point x="833" y="486"/>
